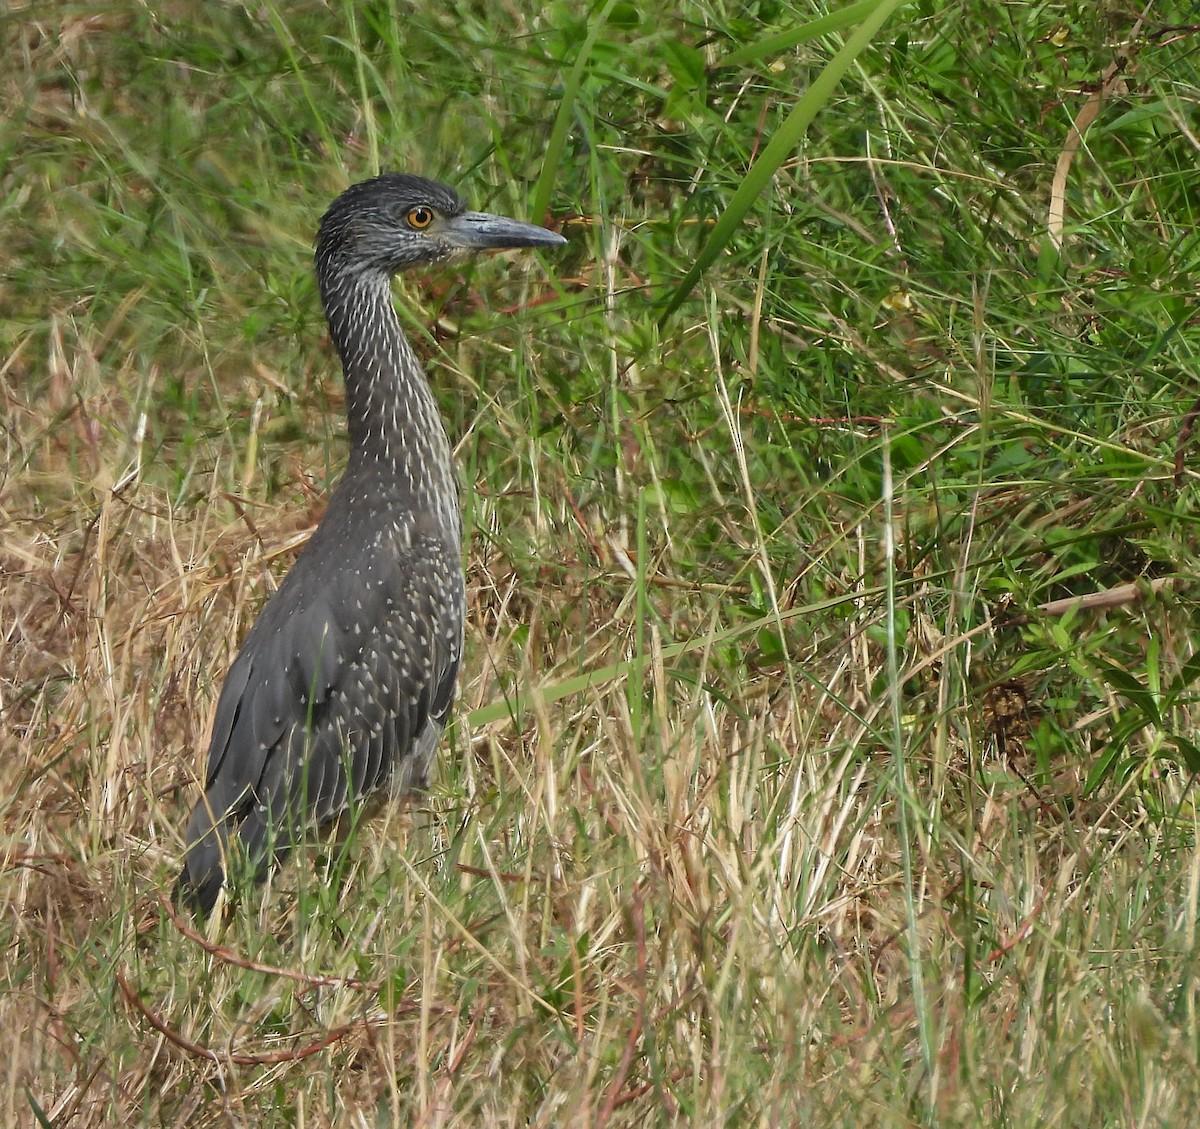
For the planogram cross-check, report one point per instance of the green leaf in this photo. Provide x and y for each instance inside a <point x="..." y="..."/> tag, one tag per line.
<point x="1124" y="683"/>
<point x="38" y="1112"/>
<point x="1187" y="752"/>
<point x="1102" y="769"/>
<point x="686" y="65"/>
<point x="1188" y="675"/>
<point x="770" y="646"/>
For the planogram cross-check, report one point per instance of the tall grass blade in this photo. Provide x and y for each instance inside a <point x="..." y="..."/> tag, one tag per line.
<point x="780" y="147"/>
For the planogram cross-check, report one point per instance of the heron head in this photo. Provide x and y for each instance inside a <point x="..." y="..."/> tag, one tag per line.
<point x="397" y="221"/>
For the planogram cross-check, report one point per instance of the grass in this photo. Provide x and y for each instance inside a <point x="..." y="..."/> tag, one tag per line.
<point x="801" y="774"/>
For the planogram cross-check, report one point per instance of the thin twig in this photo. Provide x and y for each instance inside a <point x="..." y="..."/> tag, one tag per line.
<point x="1023" y="931"/>
<point x="1126" y="57"/>
<point x="635" y="1032"/>
<point x="239" y="1058"/>
<point x="228" y="956"/>
<point x="597" y="550"/>
<point x="1108" y="598"/>
<point x="635" y="1092"/>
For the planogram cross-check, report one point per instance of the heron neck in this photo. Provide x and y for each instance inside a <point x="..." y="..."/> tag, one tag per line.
<point x="395" y="427"/>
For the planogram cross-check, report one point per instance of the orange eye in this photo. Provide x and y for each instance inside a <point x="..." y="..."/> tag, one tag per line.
<point x="419" y="217"/>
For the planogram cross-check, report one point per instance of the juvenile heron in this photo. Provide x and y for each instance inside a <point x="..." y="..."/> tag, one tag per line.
<point x="344" y="683"/>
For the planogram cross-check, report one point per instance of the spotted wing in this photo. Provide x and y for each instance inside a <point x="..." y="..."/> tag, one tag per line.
<point x="343" y="685"/>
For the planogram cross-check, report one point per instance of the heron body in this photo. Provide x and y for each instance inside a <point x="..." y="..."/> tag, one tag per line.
<point x="345" y="681"/>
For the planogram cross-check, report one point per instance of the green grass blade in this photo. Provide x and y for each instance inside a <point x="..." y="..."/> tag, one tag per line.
<point x="566" y="111"/>
<point x="806" y="33"/>
<point x="779" y="148"/>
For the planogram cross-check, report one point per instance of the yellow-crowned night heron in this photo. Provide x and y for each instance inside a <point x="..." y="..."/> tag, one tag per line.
<point x="345" y="681"/>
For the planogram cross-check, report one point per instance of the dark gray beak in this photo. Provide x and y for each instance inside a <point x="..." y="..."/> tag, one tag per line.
<point x="479" y="231"/>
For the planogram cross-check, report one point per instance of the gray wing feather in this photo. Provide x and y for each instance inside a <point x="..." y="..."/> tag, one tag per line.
<point x="338" y="687"/>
